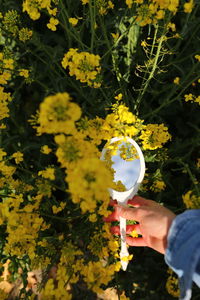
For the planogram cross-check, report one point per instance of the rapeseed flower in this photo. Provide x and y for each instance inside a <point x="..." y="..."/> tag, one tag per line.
<point x="72" y="148"/>
<point x="158" y="186"/>
<point x="48" y="173"/>
<point x="45" y="149"/>
<point x="33" y="7"/>
<point x="25" y="34"/>
<point x="177" y="80"/>
<point x="153" y="136"/>
<point x="58" y="114"/>
<point x="73" y="21"/>
<point x="88" y="182"/>
<point x="18" y="156"/>
<point x="172" y="284"/>
<point x="24" y="73"/>
<point x="191" y="201"/>
<point x="188" y="6"/>
<point x="129" y="3"/>
<point x="53" y="22"/>
<point x="84" y="66"/>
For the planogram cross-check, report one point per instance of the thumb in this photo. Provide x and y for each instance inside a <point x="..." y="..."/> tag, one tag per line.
<point x="127" y="213"/>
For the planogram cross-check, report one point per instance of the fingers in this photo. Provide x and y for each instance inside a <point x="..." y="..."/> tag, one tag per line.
<point x="129" y="229"/>
<point x="137" y="242"/>
<point x="127" y="213"/>
<point x="138" y="201"/>
<point x="113" y="202"/>
<point x="112" y="217"/>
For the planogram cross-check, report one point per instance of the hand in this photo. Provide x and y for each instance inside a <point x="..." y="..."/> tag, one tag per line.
<point x="154" y="222"/>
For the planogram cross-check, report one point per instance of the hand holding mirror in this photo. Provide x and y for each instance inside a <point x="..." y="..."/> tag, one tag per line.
<point x="127" y="161"/>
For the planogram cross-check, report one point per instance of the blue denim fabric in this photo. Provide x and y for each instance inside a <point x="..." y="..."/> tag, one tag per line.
<point x="183" y="250"/>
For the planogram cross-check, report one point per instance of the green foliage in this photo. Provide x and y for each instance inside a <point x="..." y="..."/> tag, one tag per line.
<point x="140" y="61"/>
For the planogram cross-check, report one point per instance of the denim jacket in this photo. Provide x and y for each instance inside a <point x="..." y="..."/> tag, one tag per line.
<point x="183" y="250"/>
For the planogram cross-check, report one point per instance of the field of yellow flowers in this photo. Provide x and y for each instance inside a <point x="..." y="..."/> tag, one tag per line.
<point x="74" y="74"/>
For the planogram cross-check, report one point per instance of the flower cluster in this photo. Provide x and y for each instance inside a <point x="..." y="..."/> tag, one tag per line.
<point x="34" y="7"/>
<point x="192" y="98"/>
<point x="155" y="10"/>
<point x="172" y="284"/>
<point x="54" y="187"/>
<point x="102" y="5"/>
<point x="84" y="66"/>
<point x="11" y="23"/>
<point x="191" y="200"/>
<point x="58" y="114"/>
<point x="154" y="136"/>
<point x="5" y="98"/>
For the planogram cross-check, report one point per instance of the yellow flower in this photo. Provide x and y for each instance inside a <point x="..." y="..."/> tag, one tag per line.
<point x="172" y="5"/>
<point x="24" y="73"/>
<point x="84" y="1"/>
<point x="25" y="34"/>
<point x="73" y="21"/>
<point x="197" y="56"/>
<point x="84" y="66"/>
<point x="160" y="14"/>
<point x="53" y="11"/>
<point x="144" y="44"/>
<point x="45" y="149"/>
<point x="8" y="63"/>
<point x="189" y="97"/>
<point x="191" y="201"/>
<point x="127" y="258"/>
<point x="11" y="22"/>
<point x="88" y="182"/>
<point x="158" y="186"/>
<point x="48" y="173"/>
<point x="129" y="3"/>
<point x="197" y="100"/>
<point x="177" y="80"/>
<point x="134" y="234"/>
<point x="2" y="154"/>
<point x="4" y="111"/>
<point x="4" y="77"/>
<point x="103" y="6"/>
<point x="188" y="6"/>
<point x="119" y="97"/>
<point x="93" y="218"/>
<point x="59" y="208"/>
<point x="144" y="14"/>
<point x="58" y="114"/>
<point x="53" y="22"/>
<point x="154" y="136"/>
<point x="172" y="285"/>
<point x="115" y="36"/>
<point x="18" y="156"/>
<point x="171" y="26"/>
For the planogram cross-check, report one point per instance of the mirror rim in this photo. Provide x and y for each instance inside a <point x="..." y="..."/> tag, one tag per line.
<point x="124" y="196"/>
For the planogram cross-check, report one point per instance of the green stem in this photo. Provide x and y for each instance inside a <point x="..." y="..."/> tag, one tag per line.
<point x="70" y="32"/>
<point x="168" y="102"/>
<point x="192" y="177"/>
<point x="92" y="23"/>
<point x="151" y="75"/>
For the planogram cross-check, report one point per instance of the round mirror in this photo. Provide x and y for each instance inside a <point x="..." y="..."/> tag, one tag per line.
<point x="126" y="165"/>
<point x="125" y="159"/>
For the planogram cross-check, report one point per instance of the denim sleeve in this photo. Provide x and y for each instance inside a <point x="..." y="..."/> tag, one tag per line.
<point x="183" y="250"/>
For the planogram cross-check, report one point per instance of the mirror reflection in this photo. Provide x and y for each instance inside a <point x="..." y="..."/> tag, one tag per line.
<point x="123" y="159"/>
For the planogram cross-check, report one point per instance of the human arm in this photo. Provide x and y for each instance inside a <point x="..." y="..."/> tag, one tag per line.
<point x="178" y="237"/>
<point x="183" y="250"/>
